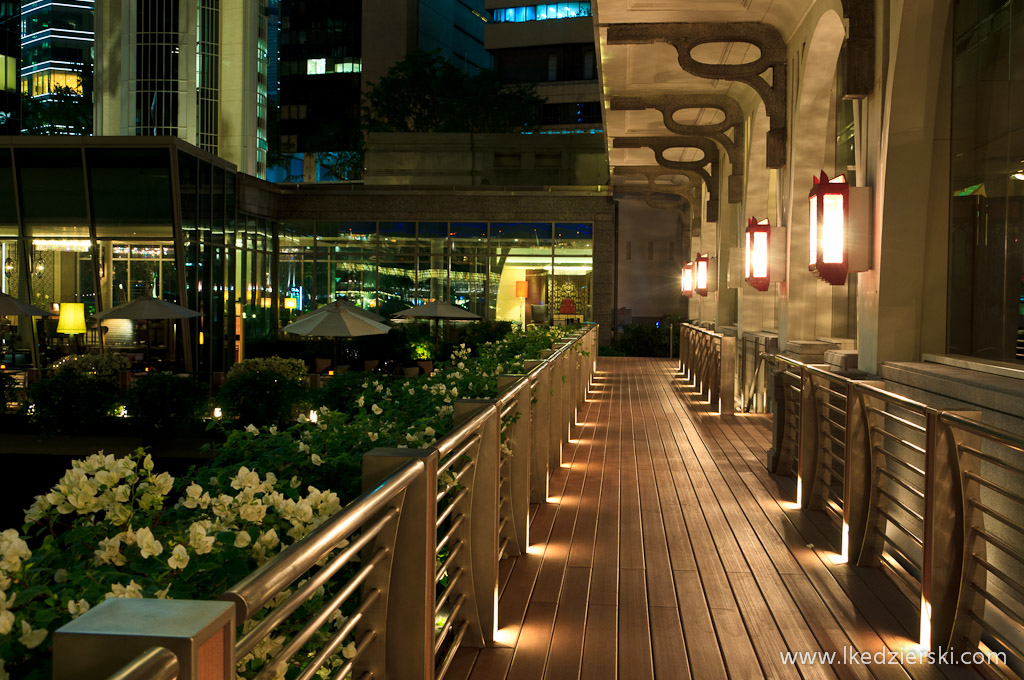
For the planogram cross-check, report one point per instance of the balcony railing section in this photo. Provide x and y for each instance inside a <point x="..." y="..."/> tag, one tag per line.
<point x="410" y="568"/>
<point x="932" y="497"/>
<point x="708" y="361"/>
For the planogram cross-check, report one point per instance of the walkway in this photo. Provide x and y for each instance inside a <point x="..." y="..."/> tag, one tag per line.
<point x="668" y="551"/>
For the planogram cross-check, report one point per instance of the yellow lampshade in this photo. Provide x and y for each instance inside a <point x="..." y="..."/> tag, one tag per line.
<point x="291" y="303"/>
<point x="522" y="289"/>
<point x="72" y="318"/>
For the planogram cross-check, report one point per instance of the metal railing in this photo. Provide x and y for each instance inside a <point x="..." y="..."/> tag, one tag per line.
<point x="411" y="567"/>
<point x="935" y="498"/>
<point x="708" y="360"/>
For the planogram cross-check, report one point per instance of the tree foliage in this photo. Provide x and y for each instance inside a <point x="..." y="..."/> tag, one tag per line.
<point x="426" y="93"/>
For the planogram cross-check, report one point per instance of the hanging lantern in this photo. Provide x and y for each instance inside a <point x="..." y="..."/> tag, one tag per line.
<point x="757" y="244"/>
<point x="701" y="274"/>
<point x="839" y="229"/>
<point x="688" y="279"/>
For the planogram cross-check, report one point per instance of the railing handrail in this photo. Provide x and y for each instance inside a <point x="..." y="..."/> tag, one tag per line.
<point x="705" y="331"/>
<point x="156" y="663"/>
<point x="886" y="395"/>
<point x="254" y="591"/>
<point x="1009" y="439"/>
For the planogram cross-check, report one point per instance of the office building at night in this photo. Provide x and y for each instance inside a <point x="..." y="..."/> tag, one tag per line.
<point x="10" y="49"/>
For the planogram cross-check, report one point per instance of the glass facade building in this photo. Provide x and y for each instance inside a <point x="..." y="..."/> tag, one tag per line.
<point x="10" y="49"/>
<point x="161" y="217"/>
<point x="57" y="51"/>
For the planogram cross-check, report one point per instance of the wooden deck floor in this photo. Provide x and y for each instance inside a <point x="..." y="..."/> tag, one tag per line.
<point x="668" y="551"/>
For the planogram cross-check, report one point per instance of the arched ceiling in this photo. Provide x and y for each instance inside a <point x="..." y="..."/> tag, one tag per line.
<point x="676" y="79"/>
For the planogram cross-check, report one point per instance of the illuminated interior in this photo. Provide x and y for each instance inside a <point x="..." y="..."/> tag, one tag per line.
<point x="562" y="10"/>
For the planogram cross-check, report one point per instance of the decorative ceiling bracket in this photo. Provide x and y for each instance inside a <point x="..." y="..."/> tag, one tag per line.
<point x="660" y="144"/>
<point x="860" y="48"/>
<point x="687" y="195"/>
<point x="733" y="118"/>
<point x="686" y="36"/>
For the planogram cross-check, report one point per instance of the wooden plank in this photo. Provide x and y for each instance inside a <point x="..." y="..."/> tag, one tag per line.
<point x="702" y="646"/>
<point x="491" y="663"/>
<point x="567" y="637"/>
<point x="667" y="645"/>
<point x="531" y="651"/>
<point x="600" y="643"/>
<point x="635" y="658"/>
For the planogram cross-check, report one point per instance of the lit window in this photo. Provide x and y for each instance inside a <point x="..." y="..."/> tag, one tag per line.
<point x="565" y="10"/>
<point x="316" y="66"/>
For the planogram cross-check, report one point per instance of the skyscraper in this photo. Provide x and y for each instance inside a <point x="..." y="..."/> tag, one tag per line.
<point x="553" y="46"/>
<point x="10" y="47"/>
<point x="56" y="65"/>
<point x="196" y="69"/>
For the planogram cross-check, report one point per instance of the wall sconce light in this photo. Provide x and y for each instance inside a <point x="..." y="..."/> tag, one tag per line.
<point x="764" y="256"/>
<point x="72" y="318"/>
<point x="8" y="267"/>
<point x="688" y="279"/>
<point x="702" y="274"/>
<point x="39" y="267"/>
<point x="840" y="229"/>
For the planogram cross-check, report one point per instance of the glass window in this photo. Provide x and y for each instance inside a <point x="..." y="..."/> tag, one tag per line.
<point x="131" y="188"/>
<point x="8" y="214"/>
<point x="42" y="173"/>
<point x="986" y="288"/>
<point x="349" y="251"/>
<point x="572" y="276"/>
<point x="397" y="267"/>
<point x="520" y="268"/>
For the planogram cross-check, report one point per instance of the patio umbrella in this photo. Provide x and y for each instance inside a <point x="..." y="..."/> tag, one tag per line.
<point x="342" y="304"/>
<point x="148" y="308"/>
<point x="12" y="306"/>
<point x="437" y="311"/>
<point x="337" y="322"/>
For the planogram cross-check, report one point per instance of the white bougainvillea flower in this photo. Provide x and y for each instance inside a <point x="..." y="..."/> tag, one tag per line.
<point x="360" y="401"/>
<point x="148" y="544"/>
<point x="109" y="552"/>
<point x="242" y="539"/>
<point x="252" y="429"/>
<point x="198" y="540"/>
<point x="373" y="436"/>
<point x="179" y="557"/>
<point x="78" y="608"/>
<point x="6" y="622"/>
<point x="303" y="447"/>
<point x="31" y="638"/>
<point x="317" y="460"/>
<point x="132" y="590"/>
<point x="12" y="551"/>
<point x="377" y="410"/>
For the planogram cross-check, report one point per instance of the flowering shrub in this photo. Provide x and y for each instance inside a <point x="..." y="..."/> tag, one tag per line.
<point x="106" y="366"/>
<point x="70" y="402"/>
<point x="165" y="402"/>
<point x="115" y="527"/>
<point x="288" y="369"/>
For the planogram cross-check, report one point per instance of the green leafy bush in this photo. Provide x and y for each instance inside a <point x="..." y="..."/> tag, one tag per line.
<point x="70" y="402"/>
<point x="289" y="369"/>
<point x="7" y="391"/>
<point x="166" y="402"/>
<point x="638" y="340"/>
<point x="106" y="367"/>
<point x="260" y="398"/>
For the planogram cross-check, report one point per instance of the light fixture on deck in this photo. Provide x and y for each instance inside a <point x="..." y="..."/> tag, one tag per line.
<point x="688" y="279"/>
<point x="840" y="229"/>
<point x="764" y="254"/>
<point x="72" y="318"/>
<point x="702" y="274"/>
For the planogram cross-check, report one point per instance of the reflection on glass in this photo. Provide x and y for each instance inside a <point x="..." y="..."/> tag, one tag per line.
<point x="520" y="253"/>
